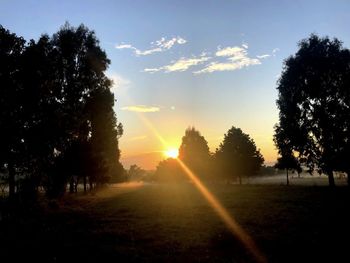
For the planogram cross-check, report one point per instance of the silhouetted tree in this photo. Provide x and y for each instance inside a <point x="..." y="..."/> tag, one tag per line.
<point x="288" y="162"/>
<point x="105" y="132"/>
<point x="314" y="104"/>
<point x="237" y="155"/>
<point x="56" y="110"/>
<point x="86" y="100"/>
<point x="194" y="152"/>
<point x="169" y="170"/>
<point x="136" y="173"/>
<point x="11" y="109"/>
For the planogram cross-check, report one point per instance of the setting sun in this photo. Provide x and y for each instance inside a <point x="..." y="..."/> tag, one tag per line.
<point x="172" y="153"/>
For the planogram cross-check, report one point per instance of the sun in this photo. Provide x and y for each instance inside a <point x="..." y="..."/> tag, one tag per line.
<point x="172" y="153"/>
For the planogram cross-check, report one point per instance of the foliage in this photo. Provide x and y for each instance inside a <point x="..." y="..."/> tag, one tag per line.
<point x="11" y="110"/>
<point x="136" y="173"/>
<point x="314" y="105"/>
<point x="169" y="170"/>
<point x="56" y="110"/>
<point x="194" y="152"/>
<point x="237" y="156"/>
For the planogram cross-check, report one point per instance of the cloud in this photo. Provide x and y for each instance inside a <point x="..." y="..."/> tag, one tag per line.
<point x="230" y="51"/>
<point x="181" y="64"/>
<point x="167" y="44"/>
<point x="263" y="56"/>
<point x="141" y="108"/>
<point x="152" y="70"/>
<point x="124" y="46"/>
<point x="160" y="45"/>
<point x="236" y="58"/>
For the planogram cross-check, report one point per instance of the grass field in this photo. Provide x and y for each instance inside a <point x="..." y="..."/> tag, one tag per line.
<point x="173" y="223"/>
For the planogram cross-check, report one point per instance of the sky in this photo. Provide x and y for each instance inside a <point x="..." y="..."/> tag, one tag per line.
<point x="175" y="64"/>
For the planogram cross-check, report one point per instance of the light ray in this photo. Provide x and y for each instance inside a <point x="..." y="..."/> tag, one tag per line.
<point x="230" y="222"/>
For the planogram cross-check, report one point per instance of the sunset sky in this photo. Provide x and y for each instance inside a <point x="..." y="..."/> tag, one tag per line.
<point x="208" y="64"/>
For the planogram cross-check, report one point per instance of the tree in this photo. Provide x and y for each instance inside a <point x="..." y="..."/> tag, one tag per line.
<point x="169" y="170"/>
<point x="86" y="105"/>
<point x="288" y="162"/>
<point x="136" y="173"/>
<point x="56" y="110"/>
<point x="11" y="110"/>
<point x="194" y="152"/>
<point x="237" y="155"/>
<point x="105" y="133"/>
<point x="314" y="104"/>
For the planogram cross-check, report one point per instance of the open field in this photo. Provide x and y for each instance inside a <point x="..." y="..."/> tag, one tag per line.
<point x="171" y="223"/>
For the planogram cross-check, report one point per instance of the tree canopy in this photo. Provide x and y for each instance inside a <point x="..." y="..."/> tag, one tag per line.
<point x="194" y="152"/>
<point x="314" y="104"/>
<point x="56" y="109"/>
<point x="237" y="156"/>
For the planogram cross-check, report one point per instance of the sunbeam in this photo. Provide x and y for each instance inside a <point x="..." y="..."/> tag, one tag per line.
<point x="229" y="221"/>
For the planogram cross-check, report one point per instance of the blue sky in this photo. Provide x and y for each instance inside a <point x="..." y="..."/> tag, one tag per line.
<point x="215" y="64"/>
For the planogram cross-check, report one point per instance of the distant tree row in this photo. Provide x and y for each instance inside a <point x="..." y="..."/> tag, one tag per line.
<point x="237" y="157"/>
<point x="314" y="105"/>
<point x="57" y="121"/>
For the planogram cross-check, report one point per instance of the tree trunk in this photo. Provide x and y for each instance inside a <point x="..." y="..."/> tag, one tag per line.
<point x="71" y="186"/>
<point x="84" y="184"/>
<point x="331" y="178"/>
<point x="12" y="182"/>
<point x="287" y="177"/>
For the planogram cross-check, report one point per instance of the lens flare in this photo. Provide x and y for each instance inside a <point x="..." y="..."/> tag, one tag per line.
<point x="230" y="222"/>
<point x="225" y="216"/>
<point x="172" y="153"/>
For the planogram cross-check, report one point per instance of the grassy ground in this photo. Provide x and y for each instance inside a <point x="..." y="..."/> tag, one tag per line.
<point x="172" y="223"/>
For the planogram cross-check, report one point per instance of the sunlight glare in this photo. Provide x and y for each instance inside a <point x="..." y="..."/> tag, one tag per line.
<point x="172" y="153"/>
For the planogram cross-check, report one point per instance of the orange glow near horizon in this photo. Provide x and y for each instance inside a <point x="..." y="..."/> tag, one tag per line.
<point x="225" y="216"/>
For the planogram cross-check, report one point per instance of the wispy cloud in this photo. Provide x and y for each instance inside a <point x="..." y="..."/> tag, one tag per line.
<point x="141" y="108"/>
<point x="158" y="46"/>
<point x="236" y="58"/>
<point x="263" y="56"/>
<point x="181" y="64"/>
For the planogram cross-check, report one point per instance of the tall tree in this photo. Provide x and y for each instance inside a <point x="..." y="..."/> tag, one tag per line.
<point x="86" y="102"/>
<point x="55" y="105"/>
<point x="105" y="132"/>
<point x="194" y="152"/>
<point x="314" y="103"/>
<point x="11" y="109"/>
<point x="237" y="156"/>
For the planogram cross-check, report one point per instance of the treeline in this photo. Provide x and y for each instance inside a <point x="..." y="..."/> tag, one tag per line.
<point x="57" y="121"/>
<point x="314" y="104"/>
<point x="236" y="158"/>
